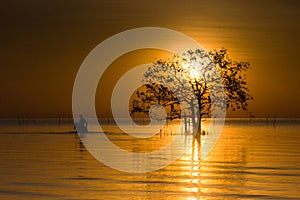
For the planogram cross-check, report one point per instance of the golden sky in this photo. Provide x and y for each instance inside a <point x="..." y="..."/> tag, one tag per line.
<point x="43" y="44"/>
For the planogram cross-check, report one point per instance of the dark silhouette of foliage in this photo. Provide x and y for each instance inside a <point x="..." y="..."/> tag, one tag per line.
<point x="211" y="76"/>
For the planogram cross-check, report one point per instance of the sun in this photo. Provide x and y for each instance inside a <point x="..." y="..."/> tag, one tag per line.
<point x="192" y="71"/>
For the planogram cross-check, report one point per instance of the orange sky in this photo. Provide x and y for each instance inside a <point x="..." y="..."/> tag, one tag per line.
<point x="43" y="44"/>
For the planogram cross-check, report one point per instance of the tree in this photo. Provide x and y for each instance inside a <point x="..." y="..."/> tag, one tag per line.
<point x="211" y="76"/>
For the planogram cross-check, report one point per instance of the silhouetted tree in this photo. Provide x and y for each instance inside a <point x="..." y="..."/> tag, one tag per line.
<point x="211" y="75"/>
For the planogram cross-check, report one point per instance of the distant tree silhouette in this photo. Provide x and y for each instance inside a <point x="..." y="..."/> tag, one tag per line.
<point x="218" y="76"/>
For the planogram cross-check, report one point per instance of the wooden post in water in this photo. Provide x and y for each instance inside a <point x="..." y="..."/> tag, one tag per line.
<point x="185" y="124"/>
<point x="189" y="126"/>
<point x="274" y="121"/>
<point x="59" y="119"/>
<point x="19" y="121"/>
<point x="27" y="118"/>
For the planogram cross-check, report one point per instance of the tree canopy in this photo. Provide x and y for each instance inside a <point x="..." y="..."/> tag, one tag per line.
<point x="211" y="75"/>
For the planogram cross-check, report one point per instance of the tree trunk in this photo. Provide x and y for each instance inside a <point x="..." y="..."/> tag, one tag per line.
<point x="194" y="123"/>
<point x="185" y="124"/>
<point x="198" y="131"/>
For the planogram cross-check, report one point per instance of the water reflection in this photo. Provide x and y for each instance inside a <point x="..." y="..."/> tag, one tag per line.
<point x="195" y="157"/>
<point x="248" y="162"/>
<point x="193" y="178"/>
<point x="223" y="170"/>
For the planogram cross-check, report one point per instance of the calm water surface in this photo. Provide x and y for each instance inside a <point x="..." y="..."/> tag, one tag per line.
<point x="252" y="160"/>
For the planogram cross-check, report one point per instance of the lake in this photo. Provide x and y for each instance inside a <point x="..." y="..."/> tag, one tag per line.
<point x="253" y="159"/>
